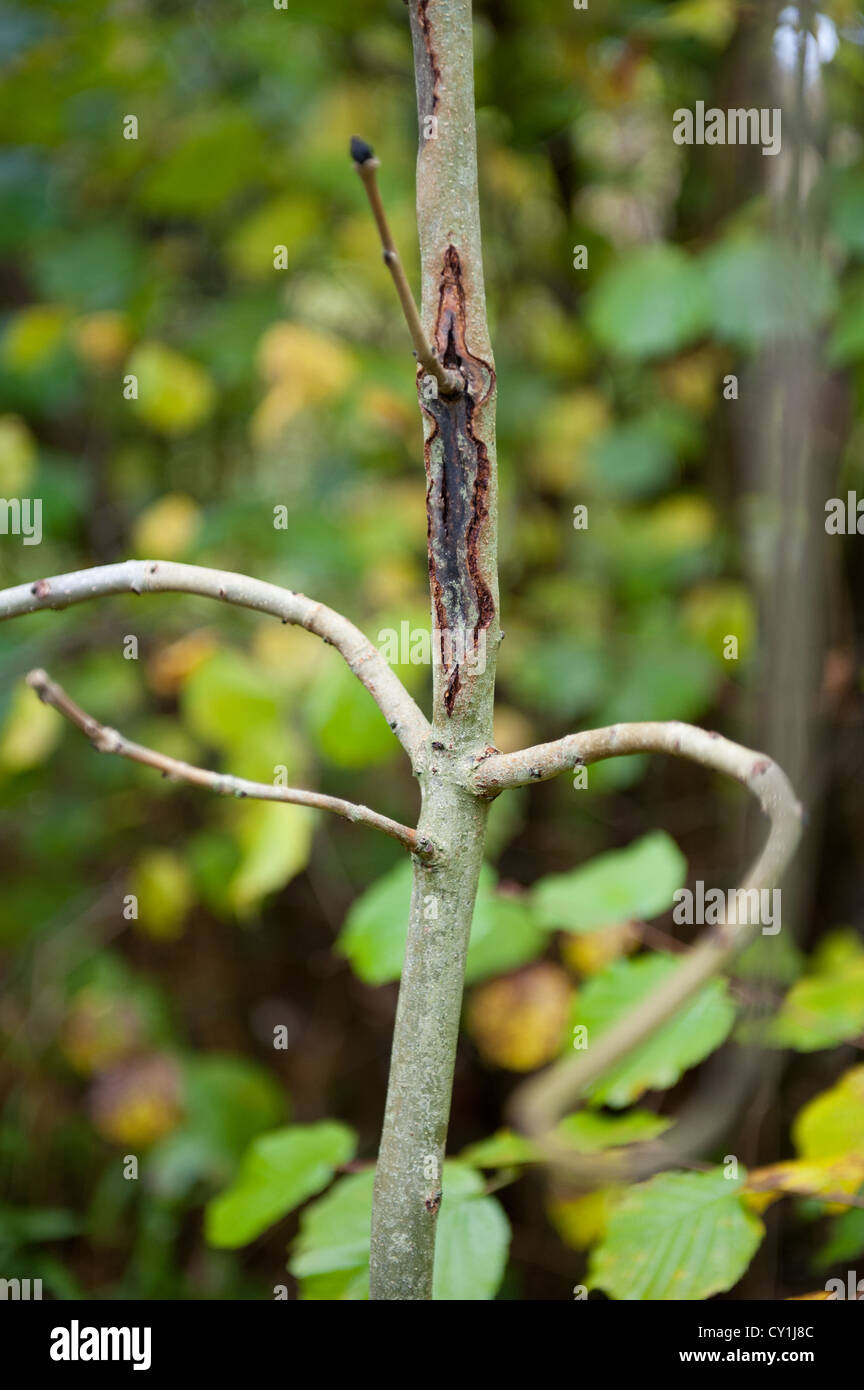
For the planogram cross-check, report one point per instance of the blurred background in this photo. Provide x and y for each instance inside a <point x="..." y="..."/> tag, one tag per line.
<point x="693" y="378"/>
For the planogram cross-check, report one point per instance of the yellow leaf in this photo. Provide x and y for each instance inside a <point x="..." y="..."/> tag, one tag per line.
<point x="275" y="413"/>
<point x="99" y="1029"/>
<point x="30" y="732"/>
<point x="303" y="367"/>
<point x="286" y="221"/>
<point x="316" y="362"/>
<point x="167" y="528"/>
<point x="590" y="952"/>
<point x="33" y="336"/>
<point x="691" y="380"/>
<point x="136" y="1102"/>
<point x="288" y="653"/>
<point x="391" y="412"/>
<point x="843" y="1173"/>
<point x="713" y="612"/>
<point x="712" y="21"/>
<point x="581" y="1221"/>
<point x="518" y="1021"/>
<point x="172" y="665"/>
<point x="567" y="429"/>
<point x="101" y="340"/>
<point x="833" y="1122"/>
<point x="679" y="523"/>
<point x="394" y="574"/>
<point x="17" y="455"/>
<point x="175" y="394"/>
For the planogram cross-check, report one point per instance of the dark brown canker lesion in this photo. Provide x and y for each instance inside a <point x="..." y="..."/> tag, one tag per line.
<point x="434" y="69"/>
<point x="458" y="473"/>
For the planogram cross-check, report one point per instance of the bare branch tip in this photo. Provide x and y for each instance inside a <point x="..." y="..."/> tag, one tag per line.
<point x="37" y="679"/>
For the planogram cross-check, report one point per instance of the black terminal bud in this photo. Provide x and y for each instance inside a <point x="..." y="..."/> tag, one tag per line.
<point x="361" y="153"/>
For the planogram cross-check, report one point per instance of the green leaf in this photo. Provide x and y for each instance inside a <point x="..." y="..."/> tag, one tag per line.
<point x="664" y="674"/>
<point x="585" y="1131"/>
<point x="231" y="1100"/>
<point x="211" y="156"/>
<point x="591" y="1133"/>
<point x="505" y="1149"/>
<point x="504" y="934"/>
<point x="846" y="343"/>
<point x="833" y="1123"/>
<point x="214" y="858"/>
<point x="821" y="1010"/>
<point x="558" y="675"/>
<point x="762" y="290"/>
<point x="373" y="936"/>
<point x="330" y="1257"/>
<point x="279" y="1171"/>
<point x="632" y="460"/>
<point x="845" y="1241"/>
<point x="653" y="302"/>
<point x="620" y="886"/>
<point x="225" y="696"/>
<point x="847" y="209"/>
<point x="333" y="1244"/>
<point x="472" y="1241"/>
<point x="35" y="1225"/>
<point x="693" y="1032"/>
<point x="97" y="269"/>
<point x="346" y="724"/>
<point x="28" y="203"/>
<point x="679" y="1237"/>
<point x="181" y="1159"/>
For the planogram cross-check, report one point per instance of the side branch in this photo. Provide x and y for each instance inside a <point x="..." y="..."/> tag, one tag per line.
<point x="450" y="383"/>
<point x="540" y="1102"/>
<point x="406" y="720"/>
<point x="544" y="760"/>
<point x="107" y="740"/>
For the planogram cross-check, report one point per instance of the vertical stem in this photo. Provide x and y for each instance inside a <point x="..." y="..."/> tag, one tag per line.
<point x="408" y="1183"/>
<point x="461" y="501"/>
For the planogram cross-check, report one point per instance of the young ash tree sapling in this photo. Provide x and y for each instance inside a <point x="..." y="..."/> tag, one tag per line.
<point x="452" y="754"/>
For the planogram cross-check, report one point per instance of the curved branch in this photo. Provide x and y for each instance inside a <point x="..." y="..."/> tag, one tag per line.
<point x="540" y="1102"/>
<point x="107" y="740"/>
<point x="406" y="720"/>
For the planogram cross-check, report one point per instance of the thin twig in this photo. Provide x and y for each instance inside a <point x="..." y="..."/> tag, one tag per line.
<point x="450" y="383"/>
<point x="107" y="740"/>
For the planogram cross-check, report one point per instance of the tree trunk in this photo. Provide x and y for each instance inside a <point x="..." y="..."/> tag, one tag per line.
<point x="460" y="462"/>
